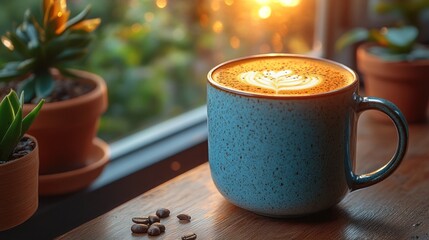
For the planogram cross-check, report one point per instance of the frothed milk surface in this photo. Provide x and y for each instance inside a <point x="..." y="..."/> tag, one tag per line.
<point x="280" y="75"/>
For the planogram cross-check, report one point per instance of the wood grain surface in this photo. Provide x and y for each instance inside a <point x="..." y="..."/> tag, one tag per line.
<point x="397" y="208"/>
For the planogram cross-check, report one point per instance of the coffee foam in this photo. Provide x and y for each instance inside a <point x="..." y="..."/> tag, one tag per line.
<point x="282" y="75"/>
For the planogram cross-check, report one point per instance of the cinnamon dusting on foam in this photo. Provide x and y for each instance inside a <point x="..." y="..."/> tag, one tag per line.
<point x="282" y="76"/>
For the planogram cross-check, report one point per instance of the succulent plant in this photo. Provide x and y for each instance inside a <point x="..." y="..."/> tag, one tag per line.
<point x="12" y="123"/>
<point x="392" y="44"/>
<point x="399" y="43"/>
<point x="42" y="47"/>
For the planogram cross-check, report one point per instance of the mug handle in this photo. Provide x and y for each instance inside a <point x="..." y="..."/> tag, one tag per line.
<point x="365" y="180"/>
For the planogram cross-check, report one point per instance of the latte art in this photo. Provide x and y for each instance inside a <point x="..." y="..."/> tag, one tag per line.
<point x="279" y="80"/>
<point x="281" y="75"/>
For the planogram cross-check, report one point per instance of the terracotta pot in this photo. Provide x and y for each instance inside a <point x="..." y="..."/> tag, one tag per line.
<point x="75" y="180"/>
<point x="65" y="130"/>
<point x="406" y="84"/>
<point x="19" y="189"/>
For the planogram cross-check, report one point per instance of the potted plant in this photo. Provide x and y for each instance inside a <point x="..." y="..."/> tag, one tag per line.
<point x="19" y="162"/>
<point x="66" y="127"/>
<point x="394" y="61"/>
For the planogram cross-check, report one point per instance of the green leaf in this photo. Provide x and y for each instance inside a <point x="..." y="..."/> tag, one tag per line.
<point x="28" y="86"/>
<point x="44" y="85"/>
<point x="31" y="31"/>
<point x="10" y="71"/>
<point x="21" y="99"/>
<point x="9" y="74"/>
<point x="34" y="38"/>
<point x="14" y="102"/>
<point x="12" y="65"/>
<point x="418" y="53"/>
<point x="402" y="39"/>
<point x="352" y="37"/>
<point x="71" y="54"/>
<point x="12" y="137"/>
<point x="386" y="54"/>
<point x="67" y="41"/>
<point x="26" y="65"/>
<point x="28" y="120"/>
<point x="21" y="34"/>
<point x="78" y="18"/>
<point x="6" y="116"/>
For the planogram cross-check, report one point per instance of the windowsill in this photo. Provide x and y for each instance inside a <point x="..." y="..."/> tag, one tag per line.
<point x="138" y="163"/>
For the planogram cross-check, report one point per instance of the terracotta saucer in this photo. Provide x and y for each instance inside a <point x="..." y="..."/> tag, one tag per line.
<point x="71" y="181"/>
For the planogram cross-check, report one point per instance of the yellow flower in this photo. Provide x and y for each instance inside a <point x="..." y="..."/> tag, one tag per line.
<point x="87" y="25"/>
<point x="55" y="15"/>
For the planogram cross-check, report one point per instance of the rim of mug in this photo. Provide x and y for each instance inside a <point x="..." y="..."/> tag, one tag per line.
<point x="270" y="55"/>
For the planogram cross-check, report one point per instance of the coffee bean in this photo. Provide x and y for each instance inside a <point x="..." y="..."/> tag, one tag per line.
<point x="153" y="219"/>
<point x="183" y="216"/>
<point x="139" y="228"/>
<point x="160" y="226"/>
<point x="190" y="236"/>
<point x="163" y="212"/>
<point x="141" y="220"/>
<point x="153" y="230"/>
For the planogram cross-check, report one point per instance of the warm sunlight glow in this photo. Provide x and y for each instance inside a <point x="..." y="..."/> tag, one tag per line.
<point x="229" y="2"/>
<point x="264" y="12"/>
<point x="215" y="5"/>
<point x="285" y="3"/>
<point x="161" y="3"/>
<point x="297" y="45"/>
<point x="289" y="3"/>
<point x="217" y="27"/>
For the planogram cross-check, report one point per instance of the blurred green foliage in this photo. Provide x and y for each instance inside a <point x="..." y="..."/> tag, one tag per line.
<point x="144" y="53"/>
<point x="146" y="56"/>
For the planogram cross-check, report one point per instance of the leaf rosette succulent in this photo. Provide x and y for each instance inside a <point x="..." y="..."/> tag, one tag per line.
<point x="42" y="46"/>
<point x="13" y="125"/>
<point x="399" y="43"/>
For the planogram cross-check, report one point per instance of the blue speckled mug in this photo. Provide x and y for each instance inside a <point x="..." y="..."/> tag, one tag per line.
<point x="282" y="133"/>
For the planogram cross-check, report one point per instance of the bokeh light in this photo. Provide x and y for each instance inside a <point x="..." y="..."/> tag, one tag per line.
<point x="264" y="12"/>
<point x="229" y="2"/>
<point x="217" y="27"/>
<point x="161" y="3"/>
<point x="289" y="3"/>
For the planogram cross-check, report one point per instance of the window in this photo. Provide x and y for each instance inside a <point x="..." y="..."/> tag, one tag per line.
<point x="155" y="54"/>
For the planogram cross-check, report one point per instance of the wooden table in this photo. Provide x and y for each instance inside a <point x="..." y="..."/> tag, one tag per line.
<point x="397" y="208"/>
